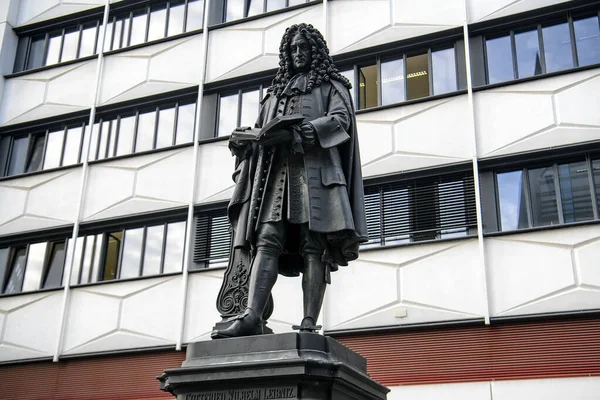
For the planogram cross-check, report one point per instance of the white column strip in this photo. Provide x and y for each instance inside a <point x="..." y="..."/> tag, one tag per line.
<point x="471" y="122"/>
<point x="82" y="187"/>
<point x="194" y="185"/>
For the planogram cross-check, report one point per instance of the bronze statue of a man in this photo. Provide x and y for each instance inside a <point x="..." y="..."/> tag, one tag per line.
<point x="298" y="204"/>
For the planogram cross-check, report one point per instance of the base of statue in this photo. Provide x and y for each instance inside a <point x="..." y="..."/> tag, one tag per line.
<point x="285" y="366"/>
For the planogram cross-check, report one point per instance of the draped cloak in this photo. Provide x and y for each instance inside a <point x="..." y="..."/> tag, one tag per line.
<point x="333" y="173"/>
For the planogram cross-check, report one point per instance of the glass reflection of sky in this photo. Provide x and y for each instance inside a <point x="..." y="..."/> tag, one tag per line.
<point x="510" y="187"/>
<point x="174" y="247"/>
<point x="587" y="36"/>
<point x="499" y="59"/>
<point x="443" y="67"/>
<point x="152" y="255"/>
<point x="132" y="253"/>
<point x="228" y="111"/>
<point x="528" y="54"/>
<point x="392" y="82"/>
<point x="557" y="47"/>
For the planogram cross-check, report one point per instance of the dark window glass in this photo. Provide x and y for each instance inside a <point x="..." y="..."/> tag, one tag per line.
<point x="174" y="247"/>
<point x="17" y="271"/>
<point x="111" y="259"/>
<point x="575" y="192"/>
<point x="37" y="154"/>
<point x="543" y="196"/>
<point x="166" y="126"/>
<point x="195" y="15"/>
<point x="557" y="47"/>
<point x="368" y="86"/>
<point x="234" y="10"/>
<point x="417" y="77"/>
<point x="55" y="267"/>
<point x="392" y="82"/>
<point x="512" y="198"/>
<point x="34" y="268"/>
<point x="132" y="253"/>
<point x="587" y="39"/>
<point x="596" y="175"/>
<point x="4" y="149"/>
<point x="54" y="149"/>
<point x="499" y="59"/>
<point x="228" y="114"/>
<point x="145" y="132"/>
<point x="528" y="54"/>
<point x="153" y="250"/>
<point x="176" y="15"/>
<point x="158" y="20"/>
<point x="275" y="4"/>
<point x="72" y="146"/>
<point x="4" y="253"/>
<point x="443" y="66"/>
<point x="53" y="52"/>
<point x="125" y="135"/>
<point x="88" y="41"/>
<point x="70" y="43"/>
<point x="88" y="262"/>
<point x="250" y="101"/>
<point x="18" y="156"/>
<point x="185" y="123"/>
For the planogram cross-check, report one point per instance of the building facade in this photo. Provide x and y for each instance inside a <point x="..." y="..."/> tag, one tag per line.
<point x="479" y="128"/>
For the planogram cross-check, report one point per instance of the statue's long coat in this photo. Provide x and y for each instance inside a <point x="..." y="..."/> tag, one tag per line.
<point x="336" y="197"/>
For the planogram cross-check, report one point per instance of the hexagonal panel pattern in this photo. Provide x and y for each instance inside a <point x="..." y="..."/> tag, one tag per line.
<point x="541" y="114"/>
<point x="385" y="21"/>
<point x="39" y="201"/>
<point x="541" y="272"/>
<point x="256" y="42"/>
<point x="151" y="70"/>
<point x="29" y="325"/>
<point x="139" y="184"/>
<point x="407" y="285"/>
<point x="122" y="315"/>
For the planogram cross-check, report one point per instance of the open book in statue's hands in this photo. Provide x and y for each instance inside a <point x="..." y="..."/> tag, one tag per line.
<point x="278" y="130"/>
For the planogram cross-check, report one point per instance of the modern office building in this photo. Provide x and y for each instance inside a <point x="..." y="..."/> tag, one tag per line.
<point x="479" y="128"/>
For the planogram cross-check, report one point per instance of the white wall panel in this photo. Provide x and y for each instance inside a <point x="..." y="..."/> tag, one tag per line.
<point x="122" y="315"/>
<point x="39" y="201"/>
<point x="407" y="285"/>
<point x="151" y="70"/>
<point x="544" y="272"/>
<point x="31" y="11"/>
<point x="29" y="325"/>
<point x="384" y="21"/>
<point x="587" y="388"/>
<point x="256" y="43"/>
<point x="215" y="167"/>
<point x="139" y="184"/>
<point x="48" y="93"/>
<point x="9" y="11"/>
<point x="540" y="114"/>
<point x="482" y="10"/>
<point x="463" y="391"/>
<point x="415" y="136"/>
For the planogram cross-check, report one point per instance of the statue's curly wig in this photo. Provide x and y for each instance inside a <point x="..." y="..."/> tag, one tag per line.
<point x="321" y="67"/>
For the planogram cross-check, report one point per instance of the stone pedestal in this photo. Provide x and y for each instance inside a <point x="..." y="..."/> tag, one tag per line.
<point x="304" y="366"/>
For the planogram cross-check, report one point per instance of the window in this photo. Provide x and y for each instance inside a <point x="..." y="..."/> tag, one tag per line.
<point x="129" y="253"/>
<point x="153" y="22"/>
<point x="142" y="129"/>
<point x="213" y="239"/>
<point x="60" y="45"/>
<point x="421" y="209"/>
<point x="387" y="81"/>
<point x="32" y="267"/>
<point x="543" y="48"/>
<point x="548" y="194"/>
<point x="237" y="9"/>
<point x="53" y="148"/>
<point x="238" y="109"/>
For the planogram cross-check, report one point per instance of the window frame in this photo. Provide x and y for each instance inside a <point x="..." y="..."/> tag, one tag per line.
<point x="246" y="9"/>
<point x="239" y="93"/>
<point x="199" y="263"/>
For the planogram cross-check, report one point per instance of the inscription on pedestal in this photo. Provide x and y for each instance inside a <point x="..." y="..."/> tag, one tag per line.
<point x="269" y="393"/>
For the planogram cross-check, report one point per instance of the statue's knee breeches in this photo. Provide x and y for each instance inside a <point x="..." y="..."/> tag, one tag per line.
<point x="270" y="238"/>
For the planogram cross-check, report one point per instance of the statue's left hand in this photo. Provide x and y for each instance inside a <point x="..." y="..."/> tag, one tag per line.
<point x="276" y="137"/>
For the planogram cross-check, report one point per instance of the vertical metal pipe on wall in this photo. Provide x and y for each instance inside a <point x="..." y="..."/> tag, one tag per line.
<point x="194" y="185"/>
<point x="475" y="162"/>
<point x="84" y="178"/>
